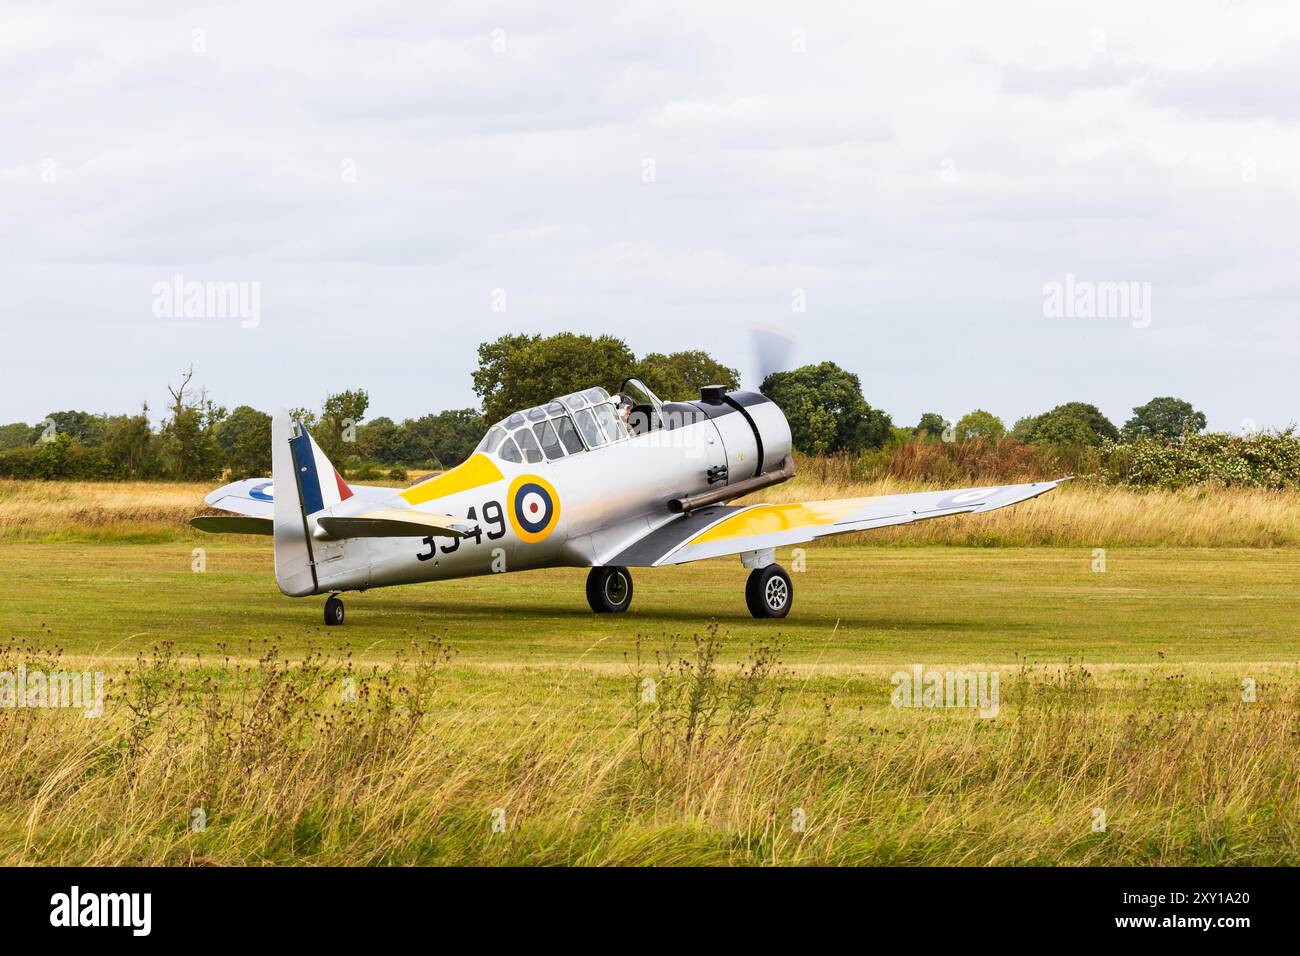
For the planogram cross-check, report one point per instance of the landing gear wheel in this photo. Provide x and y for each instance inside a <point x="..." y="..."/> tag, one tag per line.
<point x="768" y="592"/>
<point x="609" y="590"/>
<point x="333" y="610"/>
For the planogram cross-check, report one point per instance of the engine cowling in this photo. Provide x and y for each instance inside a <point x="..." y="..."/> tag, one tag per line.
<point x="755" y="439"/>
<point x="754" y="432"/>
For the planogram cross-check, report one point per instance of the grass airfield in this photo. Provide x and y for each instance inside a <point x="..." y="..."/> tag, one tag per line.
<point x="496" y="720"/>
<point x="853" y="606"/>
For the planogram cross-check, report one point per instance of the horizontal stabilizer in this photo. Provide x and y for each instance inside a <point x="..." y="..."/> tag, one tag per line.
<point x="234" y="524"/>
<point x="394" y="523"/>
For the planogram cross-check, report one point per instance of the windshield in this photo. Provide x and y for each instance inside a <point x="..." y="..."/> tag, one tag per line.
<point x="640" y="393"/>
<point x="558" y="429"/>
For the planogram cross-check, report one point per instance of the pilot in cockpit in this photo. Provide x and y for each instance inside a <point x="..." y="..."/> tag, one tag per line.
<point x="623" y="405"/>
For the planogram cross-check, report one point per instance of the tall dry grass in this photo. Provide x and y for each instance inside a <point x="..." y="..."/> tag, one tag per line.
<point x="146" y="511"/>
<point x="125" y="511"/>
<point x="1077" y="515"/>
<point x="746" y="764"/>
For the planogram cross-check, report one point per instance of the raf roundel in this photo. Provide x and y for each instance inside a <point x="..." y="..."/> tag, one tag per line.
<point x="975" y="496"/>
<point x="534" y="508"/>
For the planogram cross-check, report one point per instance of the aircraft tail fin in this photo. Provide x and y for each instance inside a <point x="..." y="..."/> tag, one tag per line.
<point x="305" y="483"/>
<point x="319" y="481"/>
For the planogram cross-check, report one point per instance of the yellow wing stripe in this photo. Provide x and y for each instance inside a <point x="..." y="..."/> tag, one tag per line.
<point x="766" y="519"/>
<point x="473" y="472"/>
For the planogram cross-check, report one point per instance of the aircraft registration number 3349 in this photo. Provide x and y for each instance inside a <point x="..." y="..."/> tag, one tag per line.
<point x="493" y="514"/>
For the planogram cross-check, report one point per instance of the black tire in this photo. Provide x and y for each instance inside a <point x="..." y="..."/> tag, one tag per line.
<point x="769" y="592"/>
<point x="609" y="590"/>
<point x="333" y="611"/>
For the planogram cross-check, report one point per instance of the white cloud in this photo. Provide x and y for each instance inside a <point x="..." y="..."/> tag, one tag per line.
<point x="921" y="171"/>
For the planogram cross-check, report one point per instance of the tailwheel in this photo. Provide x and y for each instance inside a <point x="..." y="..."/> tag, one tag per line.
<point x="609" y="590"/>
<point x="333" y="610"/>
<point x="769" y="592"/>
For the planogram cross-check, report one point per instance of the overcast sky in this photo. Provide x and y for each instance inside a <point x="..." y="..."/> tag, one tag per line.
<point x="913" y="174"/>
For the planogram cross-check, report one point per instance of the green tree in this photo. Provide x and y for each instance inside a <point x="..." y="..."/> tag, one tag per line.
<point x="304" y="416"/>
<point x="1062" y="429"/>
<point x="382" y="439"/>
<point x="1024" y="427"/>
<point x="52" y="457"/>
<point x="336" y="431"/>
<point x="444" y="439"/>
<point x="1166" y="418"/>
<point x="1074" y="423"/>
<point x="189" y="433"/>
<point x="17" y="435"/>
<point x="131" y="448"/>
<point x="457" y="431"/>
<point x="932" y="424"/>
<point x="980" y="424"/>
<point x="245" y="438"/>
<point x="826" y="411"/>
<point x="677" y="377"/>
<point x="87" y="428"/>
<point x="817" y="433"/>
<point x="519" y="371"/>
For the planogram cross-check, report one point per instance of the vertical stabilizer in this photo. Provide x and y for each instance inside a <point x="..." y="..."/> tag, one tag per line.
<point x="295" y="571"/>
<point x="319" y="482"/>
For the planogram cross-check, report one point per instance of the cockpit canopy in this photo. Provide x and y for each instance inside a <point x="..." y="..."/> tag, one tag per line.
<point x="564" y="426"/>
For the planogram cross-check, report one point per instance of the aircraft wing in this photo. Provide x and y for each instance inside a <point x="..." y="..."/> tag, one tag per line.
<point x="732" y="529"/>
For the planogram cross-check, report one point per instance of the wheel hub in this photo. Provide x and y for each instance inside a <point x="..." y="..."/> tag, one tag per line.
<point x="615" y="589"/>
<point x="776" y="593"/>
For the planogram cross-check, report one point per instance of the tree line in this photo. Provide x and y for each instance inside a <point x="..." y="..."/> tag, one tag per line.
<point x="199" y="440"/>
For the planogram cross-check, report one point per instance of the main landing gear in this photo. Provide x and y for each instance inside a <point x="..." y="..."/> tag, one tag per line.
<point x="333" y="610"/>
<point x="769" y="592"/>
<point x="609" y="590"/>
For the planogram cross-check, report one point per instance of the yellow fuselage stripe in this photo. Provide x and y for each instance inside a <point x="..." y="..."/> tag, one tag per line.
<point x="473" y="472"/>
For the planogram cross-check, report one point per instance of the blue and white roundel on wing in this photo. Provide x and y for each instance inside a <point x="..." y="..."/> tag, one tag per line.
<point x="974" y="497"/>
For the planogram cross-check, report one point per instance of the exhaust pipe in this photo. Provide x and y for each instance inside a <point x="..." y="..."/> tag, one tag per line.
<point x="738" y="490"/>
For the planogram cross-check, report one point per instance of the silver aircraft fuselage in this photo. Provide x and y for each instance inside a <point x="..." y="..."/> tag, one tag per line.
<point x="578" y="510"/>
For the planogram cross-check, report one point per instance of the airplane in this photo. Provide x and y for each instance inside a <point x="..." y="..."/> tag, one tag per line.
<point x="587" y="480"/>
